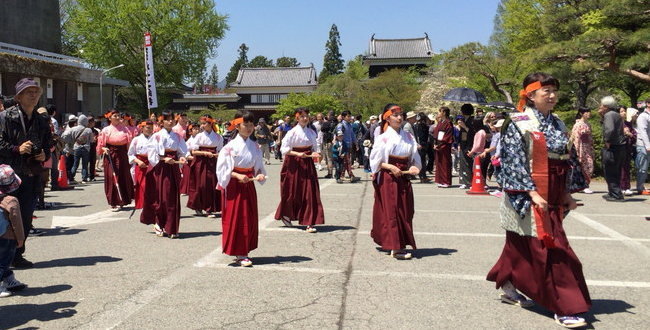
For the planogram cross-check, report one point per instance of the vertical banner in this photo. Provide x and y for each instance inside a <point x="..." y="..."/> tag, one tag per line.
<point x="152" y="97"/>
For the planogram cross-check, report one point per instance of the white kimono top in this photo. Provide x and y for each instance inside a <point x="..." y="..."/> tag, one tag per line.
<point x="139" y="146"/>
<point x="203" y="139"/>
<point x="164" y="140"/>
<point x="238" y="153"/>
<point x="392" y="143"/>
<point x="300" y="137"/>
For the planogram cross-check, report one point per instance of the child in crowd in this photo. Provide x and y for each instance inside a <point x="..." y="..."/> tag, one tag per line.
<point x="11" y="230"/>
<point x="339" y="150"/>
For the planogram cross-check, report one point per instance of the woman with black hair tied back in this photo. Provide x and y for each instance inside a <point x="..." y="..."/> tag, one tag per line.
<point x="299" y="188"/>
<point x="393" y="158"/>
<point x="162" y="203"/>
<point x="113" y="141"/>
<point x="239" y="165"/>
<point x="203" y="176"/>
<point x="539" y="170"/>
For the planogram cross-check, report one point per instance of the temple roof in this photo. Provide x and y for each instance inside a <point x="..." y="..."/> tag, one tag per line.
<point x="276" y="77"/>
<point x="399" y="48"/>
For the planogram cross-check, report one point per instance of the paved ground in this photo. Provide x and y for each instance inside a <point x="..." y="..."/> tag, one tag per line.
<point x="96" y="269"/>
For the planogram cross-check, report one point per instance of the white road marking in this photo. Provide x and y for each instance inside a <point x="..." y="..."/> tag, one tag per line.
<point x="112" y="318"/>
<point x="588" y="238"/>
<point x="455" y="211"/>
<point x="282" y="268"/>
<point x="98" y="217"/>
<point x="635" y="245"/>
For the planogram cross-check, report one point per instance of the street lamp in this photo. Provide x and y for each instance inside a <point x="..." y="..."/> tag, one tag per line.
<point x="101" y="82"/>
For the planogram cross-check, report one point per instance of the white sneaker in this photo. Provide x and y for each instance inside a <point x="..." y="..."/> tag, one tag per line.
<point x="310" y="229"/>
<point x="401" y="255"/>
<point x="4" y="292"/>
<point x="463" y="186"/>
<point x="12" y="284"/>
<point x="628" y="192"/>
<point x="570" y="321"/>
<point x="244" y="262"/>
<point x="588" y="191"/>
<point x="442" y="185"/>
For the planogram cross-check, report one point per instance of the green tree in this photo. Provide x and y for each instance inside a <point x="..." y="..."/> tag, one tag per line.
<point x="333" y="63"/>
<point x="287" y="62"/>
<point x="260" y="62"/>
<point x="213" y="78"/>
<point x="242" y="61"/>
<point x="315" y="102"/>
<point x="184" y="33"/>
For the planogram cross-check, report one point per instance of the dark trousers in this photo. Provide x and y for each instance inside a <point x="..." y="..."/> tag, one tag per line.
<point x="26" y="195"/>
<point x="465" y="163"/>
<point x="92" y="160"/>
<point x="338" y="166"/>
<point x="69" y="162"/>
<point x="431" y="154"/>
<point x="54" y="171"/>
<point x="612" y="164"/>
<point x="423" y="158"/>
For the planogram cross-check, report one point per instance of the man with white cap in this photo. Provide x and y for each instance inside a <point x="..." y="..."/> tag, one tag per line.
<point x="25" y="141"/>
<point x="410" y="120"/>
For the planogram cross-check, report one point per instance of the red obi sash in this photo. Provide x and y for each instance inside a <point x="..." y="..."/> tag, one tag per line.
<point x="540" y="175"/>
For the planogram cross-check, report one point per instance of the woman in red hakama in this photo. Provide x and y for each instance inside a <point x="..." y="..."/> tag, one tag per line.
<point x="394" y="156"/>
<point x="113" y="141"/>
<point x="162" y="204"/>
<point x="203" y="195"/>
<point x="537" y="258"/>
<point x="239" y="165"/>
<point x="140" y="160"/>
<point x="444" y="138"/>
<point x="299" y="188"/>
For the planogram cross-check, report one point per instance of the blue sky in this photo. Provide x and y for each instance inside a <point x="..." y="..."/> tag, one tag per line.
<point x="275" y="28"/>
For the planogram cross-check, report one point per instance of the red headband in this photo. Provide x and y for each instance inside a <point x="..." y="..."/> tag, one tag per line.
<point x="235" y="122"/>
<point x="207" y="119"/>
<point x="143" y="124"/>
<point x="391" y="111"/>
<point x="523" y="94"/>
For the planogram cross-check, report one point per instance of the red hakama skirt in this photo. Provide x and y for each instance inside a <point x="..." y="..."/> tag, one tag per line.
<point x="140" y="181"/>
<point x="300" y="191"/>
<point x="392" y="214"/>
<point x="239" y="218"/>
<point x="120" y="160"/>
<point x="551" y="277"/>
<point x="202" y="190"/>
<point x="185" y="178"/>
<point x="443" y="164"/>
<point x="162" y="202"/>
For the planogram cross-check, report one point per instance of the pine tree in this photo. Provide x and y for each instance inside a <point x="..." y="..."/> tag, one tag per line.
<point x="287" y="62"/>
<point x="260" y="61"/>
<point x="242" y="61"/>
<point x="332" y="61"/>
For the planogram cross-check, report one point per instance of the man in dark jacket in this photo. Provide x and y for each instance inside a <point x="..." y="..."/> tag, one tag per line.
<point x="613" y="148"/>
<point x="25" y="141"/>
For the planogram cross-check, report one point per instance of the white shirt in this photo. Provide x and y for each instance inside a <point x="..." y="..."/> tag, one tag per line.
<point x="164" y="140"/>
<point x="238" y="153"/>
<point x="299" y="137"/>
<point x="190" y="144"/>
<point x="139" y="146"/>
<point x="319" y="134"/>
<point x="392" y="143"/>
<point x="203" y="139"/>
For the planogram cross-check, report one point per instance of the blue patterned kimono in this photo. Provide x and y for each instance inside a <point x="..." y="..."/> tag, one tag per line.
<point x="515" y="175"/>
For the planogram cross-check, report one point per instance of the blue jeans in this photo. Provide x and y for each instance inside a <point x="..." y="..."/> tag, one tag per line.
<point x="641" y="162"/>
<point x="80" y="155"/>
<point x="7" y="253"/>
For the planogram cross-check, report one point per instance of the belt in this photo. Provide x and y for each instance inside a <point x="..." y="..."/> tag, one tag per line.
<point x="552" y="155"/>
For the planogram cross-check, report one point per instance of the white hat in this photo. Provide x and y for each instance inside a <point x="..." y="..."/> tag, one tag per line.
<point x="410" y="114"/>
<point x="630" y="112"/>
<point x="72" y="117"/>
<point x="373" y="117"/>
<point x="280" y="121"/>
<point x="431" y="117"/>
<point x="499" y="123"/>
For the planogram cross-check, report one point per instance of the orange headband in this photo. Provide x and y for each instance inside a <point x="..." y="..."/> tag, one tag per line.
<point x="235" y="122"/>
<point x="391" y="111"/>
<point x="207" y="119"/>
<point x="161" y="118"/>
<point x="523" y="94"/>
<point x="143" y="124"/>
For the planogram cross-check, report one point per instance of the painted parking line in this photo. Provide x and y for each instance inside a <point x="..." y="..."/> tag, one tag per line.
<point x="491" y="235"/>
<point x="631" y="243"/>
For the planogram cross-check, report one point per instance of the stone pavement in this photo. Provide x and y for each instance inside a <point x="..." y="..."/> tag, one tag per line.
<point x="96" y="269"/>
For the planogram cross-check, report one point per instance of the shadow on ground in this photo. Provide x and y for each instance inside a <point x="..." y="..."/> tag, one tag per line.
<point x="198" y="234"/>
<point x="19" y="314"/>
<point x="277" y="260"/>
<point x="329" y="229"/>
<point x="60" y="231"/>
<point x="598" y="307"/>
<point x="432" y="252"/>
<point x="76" y="261"/>
<point x="37" y="291"/>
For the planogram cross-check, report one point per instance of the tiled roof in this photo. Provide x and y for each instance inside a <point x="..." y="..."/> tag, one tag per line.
<point x="399" y="48"/>
<point x="275" y="77"/>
